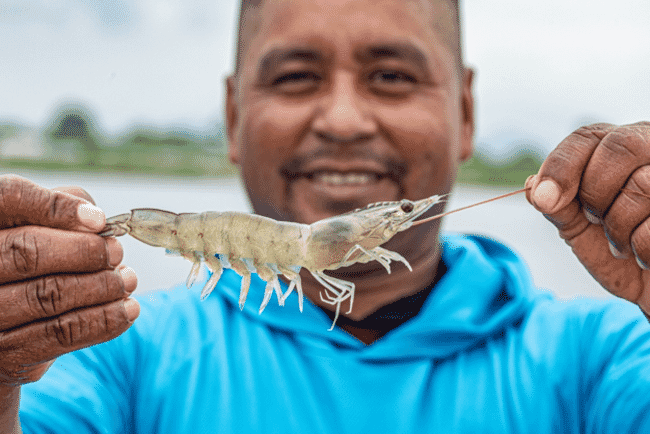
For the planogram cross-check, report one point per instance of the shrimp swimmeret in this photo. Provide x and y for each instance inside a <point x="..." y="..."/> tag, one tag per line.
<point x="250" y="243"/>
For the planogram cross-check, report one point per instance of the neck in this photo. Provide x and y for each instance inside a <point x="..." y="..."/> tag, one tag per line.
<point x="376" y="289"/>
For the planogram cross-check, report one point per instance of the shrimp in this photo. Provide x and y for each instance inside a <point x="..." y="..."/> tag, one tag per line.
<point x="249" y="243"/>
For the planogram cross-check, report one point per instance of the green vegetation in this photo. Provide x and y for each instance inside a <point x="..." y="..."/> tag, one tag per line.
<point x="511" y="171"/>
<point x="73" y="142"/>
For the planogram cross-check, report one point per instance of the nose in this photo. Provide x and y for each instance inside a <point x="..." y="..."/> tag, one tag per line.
<point x="342" y="117"/>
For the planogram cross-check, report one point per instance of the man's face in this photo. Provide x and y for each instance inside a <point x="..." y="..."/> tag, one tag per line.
<point x="340" y="103"/>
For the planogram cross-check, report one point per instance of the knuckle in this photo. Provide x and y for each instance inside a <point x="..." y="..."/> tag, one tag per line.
<point x="640" y="180"/>
<point x="45" y="295"/>
<point x="21" y="250"/>
<point x="61" y="208"/>
<point x="68" y="330"/>
<point x="78" y="329"/>
<point x="54" y="295"/>
<point x="12" y="193"/>
<point x="625" y="142"/>
<point x="642" y="128"/>
<point x="562" y="156"/>
<point x="62" y="330"/>
<point x="28" y="203"/>
<point x="593" y="131"/>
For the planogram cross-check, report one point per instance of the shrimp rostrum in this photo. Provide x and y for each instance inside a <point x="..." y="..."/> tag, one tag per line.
<point x="249" y="243"/>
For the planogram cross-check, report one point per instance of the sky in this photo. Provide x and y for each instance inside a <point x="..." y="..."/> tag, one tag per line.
<point x="543" y="68"/>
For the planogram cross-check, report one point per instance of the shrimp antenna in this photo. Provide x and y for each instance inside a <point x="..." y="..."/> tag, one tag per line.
<point x="435" y="217"/>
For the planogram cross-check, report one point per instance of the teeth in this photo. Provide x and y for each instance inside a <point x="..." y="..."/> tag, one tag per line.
<point x="347" y="178"/>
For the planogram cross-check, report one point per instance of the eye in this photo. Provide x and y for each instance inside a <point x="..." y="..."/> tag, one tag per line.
<point x="297" y="82"/>
<point x="407" y="206"/>
<point x="392" y="81"/>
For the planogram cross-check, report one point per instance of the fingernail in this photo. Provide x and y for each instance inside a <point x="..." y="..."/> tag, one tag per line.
<point x="529" y="180"/>
<point x="115" y="252"/>
<point x="641" y="264"/>
<point x="615" y="252"/>
<point x="91" y="217"/>
<point x="591" y="217"/>
<point x="129" y="278"/>
<point x="547" y="195"/>
<point x="132" y="309"/>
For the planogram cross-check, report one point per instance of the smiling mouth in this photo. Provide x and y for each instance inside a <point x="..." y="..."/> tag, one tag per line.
<point x="337" y="183"/>
<point x="341" y="179"/>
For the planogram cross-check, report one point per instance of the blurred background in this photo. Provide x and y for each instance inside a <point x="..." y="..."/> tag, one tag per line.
<point x="125" y="98"/>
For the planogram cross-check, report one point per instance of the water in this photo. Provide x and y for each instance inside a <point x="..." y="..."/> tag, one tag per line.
<point x="511" y="220"/>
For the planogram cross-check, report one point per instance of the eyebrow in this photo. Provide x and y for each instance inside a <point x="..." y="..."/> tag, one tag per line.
<point x="277" y="56"/>
<point x="399" y="50"/>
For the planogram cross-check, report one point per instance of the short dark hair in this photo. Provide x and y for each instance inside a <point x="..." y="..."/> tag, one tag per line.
<point x="248" y="6"/>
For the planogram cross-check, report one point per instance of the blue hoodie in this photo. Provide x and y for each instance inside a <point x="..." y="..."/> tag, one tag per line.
<point x="486" y="353"/>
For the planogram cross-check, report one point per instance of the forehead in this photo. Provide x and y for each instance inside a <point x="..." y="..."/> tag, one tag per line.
<point x="349" y="23"/>
<point x="284" y="13"/>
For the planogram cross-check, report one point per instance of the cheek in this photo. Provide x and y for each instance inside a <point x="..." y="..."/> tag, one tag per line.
<point x="429" y="141"/>
<point x="269" y="136"/>
<point x="271" y="129"/>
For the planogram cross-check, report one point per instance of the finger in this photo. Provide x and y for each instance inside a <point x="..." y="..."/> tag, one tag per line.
<point x="621" y="277"/>
<point x="45" y="340"/>
<point x="32" y="251"/>
<point x="52" y="296"/>
<point x="76" y="191"/>
<point x="640" y="242"/>
<point x="620" y="153"/>
<point x="24" y="203"/>
<point x="558" y="180"/>
<point x="630" y="208"/>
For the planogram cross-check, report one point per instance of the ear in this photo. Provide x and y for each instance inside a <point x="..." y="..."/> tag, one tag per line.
<point x="467" y="104"/>
<point x="232" y="118"/>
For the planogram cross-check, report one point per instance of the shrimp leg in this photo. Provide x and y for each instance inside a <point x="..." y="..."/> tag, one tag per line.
<point x="195" y="258"/>
<point x="269" y="273"/>
<point x="215" y="265"/>
<point x="245" y="272"/>
<point x="346" y="291"/>
<point x="295" y="281"/>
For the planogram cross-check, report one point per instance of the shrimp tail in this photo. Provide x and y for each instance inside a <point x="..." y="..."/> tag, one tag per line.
<point x="116" y="226"/>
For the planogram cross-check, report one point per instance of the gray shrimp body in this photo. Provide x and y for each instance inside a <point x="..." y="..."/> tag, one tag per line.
<point x="249" y="243"/>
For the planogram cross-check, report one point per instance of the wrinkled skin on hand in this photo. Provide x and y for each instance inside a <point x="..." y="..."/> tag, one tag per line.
<point x="60" y="289"/>
<point x="595" y="188"/>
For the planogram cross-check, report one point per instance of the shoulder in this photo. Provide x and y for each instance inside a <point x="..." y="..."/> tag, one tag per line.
<point x="596" y="335"/>
<point x="595" y="317"/>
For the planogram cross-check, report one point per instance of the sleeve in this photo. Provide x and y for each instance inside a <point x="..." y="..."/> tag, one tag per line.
<point x="88" y="391"/>
<point x="616" y="371"/>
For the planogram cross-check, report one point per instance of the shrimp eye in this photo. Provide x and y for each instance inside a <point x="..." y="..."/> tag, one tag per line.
<point x="407" y="207"/>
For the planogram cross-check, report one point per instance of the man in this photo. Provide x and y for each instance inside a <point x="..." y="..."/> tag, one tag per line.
<point x="335" y="104"/>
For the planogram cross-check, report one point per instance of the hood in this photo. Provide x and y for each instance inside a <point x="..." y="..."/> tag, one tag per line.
<point x="487" y="288"/>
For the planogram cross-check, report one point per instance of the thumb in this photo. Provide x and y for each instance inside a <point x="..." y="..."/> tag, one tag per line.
<point x="544" y="195"/>
<point x="560" y="208"/>
<point x="554" y="190"/>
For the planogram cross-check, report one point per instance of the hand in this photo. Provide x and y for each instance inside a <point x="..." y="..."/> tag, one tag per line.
<point x="595" y="188"/>
<point x="59" y="288"/>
